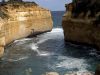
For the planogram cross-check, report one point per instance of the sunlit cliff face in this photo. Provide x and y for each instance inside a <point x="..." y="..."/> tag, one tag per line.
<point x="21" y="16"/>
<point x="20" y="20"/>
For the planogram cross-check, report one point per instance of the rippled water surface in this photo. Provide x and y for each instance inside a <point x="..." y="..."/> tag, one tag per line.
<point x="46" y="53"/>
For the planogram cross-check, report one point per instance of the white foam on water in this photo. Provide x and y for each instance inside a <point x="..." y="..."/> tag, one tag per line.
<point x="41" y="41"/>
<point x="21" y="41"/>
<point x="55" y="33"/>
<point x="70" y="63"/>
<point x="56" y="30"/>
<point x="34" y="47"/>
<point x="13" y="60"/>
<point x="45" y="53"/>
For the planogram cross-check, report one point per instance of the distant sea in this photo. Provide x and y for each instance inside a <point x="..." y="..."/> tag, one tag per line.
<point x="57" y="18"/>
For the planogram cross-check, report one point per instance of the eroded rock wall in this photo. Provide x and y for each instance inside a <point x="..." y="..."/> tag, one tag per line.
<point x="81" y="23"/>
<point x="21" y="20"/>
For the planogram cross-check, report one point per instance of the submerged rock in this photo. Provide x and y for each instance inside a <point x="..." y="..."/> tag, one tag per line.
<point x="21" y="19"/>
<point x="83" y="25"/>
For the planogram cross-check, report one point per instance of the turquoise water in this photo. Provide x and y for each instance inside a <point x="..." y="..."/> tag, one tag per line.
<point x="47" y="53"/>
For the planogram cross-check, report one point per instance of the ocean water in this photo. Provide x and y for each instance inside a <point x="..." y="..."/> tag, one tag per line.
<point x="47" y="53"/>
<point x="57" y="18"/>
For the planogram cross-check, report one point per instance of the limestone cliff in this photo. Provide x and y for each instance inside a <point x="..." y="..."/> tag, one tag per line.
<point x="81" y="23"/>
<point x="21" y="19"/>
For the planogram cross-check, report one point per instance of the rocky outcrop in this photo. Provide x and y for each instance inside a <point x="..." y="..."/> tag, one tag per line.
<point x="21" y="19"/>
<point x="98" y="70"/>
<point x="81" y="22"/>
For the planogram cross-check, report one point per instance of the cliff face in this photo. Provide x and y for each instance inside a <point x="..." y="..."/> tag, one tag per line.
<point x="81" y="23"/>
<point x="20" y="20"/>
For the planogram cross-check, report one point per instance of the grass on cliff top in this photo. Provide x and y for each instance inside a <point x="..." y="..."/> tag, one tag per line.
<point x="18" y="3"/>
<point x="4" y="15"/>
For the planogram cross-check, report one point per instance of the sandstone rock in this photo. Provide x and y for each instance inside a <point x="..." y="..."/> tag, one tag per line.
<point x="21" y="19"/>
<point x="52" y="73"/>
<point x="77" y="28"/>
<point x="83" y="6"/>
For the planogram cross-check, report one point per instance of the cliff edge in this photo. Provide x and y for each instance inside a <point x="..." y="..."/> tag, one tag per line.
<point x="81" y="22"/>
<point x="21" y="19"/>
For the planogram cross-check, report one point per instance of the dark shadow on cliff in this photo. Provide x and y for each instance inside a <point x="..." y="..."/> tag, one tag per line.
<point x="4" y="15"/>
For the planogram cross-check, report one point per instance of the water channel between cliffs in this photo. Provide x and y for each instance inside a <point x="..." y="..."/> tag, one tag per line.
<point x="47" y="53"/>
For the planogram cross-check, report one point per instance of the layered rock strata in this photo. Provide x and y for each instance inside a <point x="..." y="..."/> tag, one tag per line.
<point x="81" y="22"/>
<point x="21" y="19"/>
